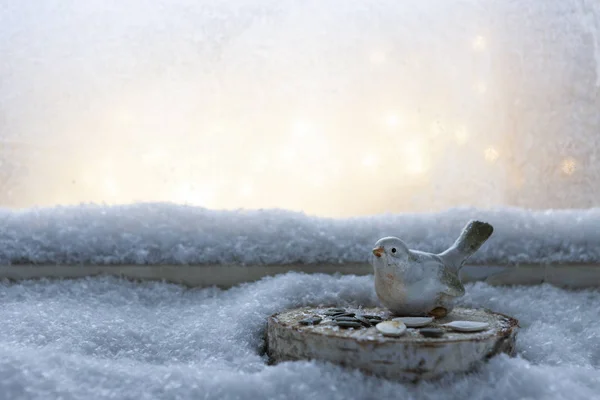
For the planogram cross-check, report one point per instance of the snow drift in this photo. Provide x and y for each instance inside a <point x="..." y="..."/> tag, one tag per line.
<point x="107" y="338"/>
<point x="157" y="233"/>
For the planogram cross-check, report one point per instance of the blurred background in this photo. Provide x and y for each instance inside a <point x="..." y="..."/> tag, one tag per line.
<point x="336" y="108"/>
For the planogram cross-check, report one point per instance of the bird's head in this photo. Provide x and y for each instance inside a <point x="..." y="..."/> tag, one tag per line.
<point x="389" y="250"/>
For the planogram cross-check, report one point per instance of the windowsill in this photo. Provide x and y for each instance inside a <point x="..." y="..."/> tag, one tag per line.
<point x="572" y="275"/>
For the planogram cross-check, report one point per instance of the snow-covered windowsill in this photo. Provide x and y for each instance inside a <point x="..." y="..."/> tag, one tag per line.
<point x="200" y="247"/>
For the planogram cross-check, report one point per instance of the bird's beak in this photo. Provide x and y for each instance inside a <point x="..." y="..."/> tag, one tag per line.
<point x="378" y="251"/>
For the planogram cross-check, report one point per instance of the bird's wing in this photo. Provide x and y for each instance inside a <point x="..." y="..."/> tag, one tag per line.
<point x="453" y="285"/>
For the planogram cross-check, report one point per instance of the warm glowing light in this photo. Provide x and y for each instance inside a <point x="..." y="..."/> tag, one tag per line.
<point x="246" y="189"/>
<point x="417" y="166"/>
<point x="481" y="88"/>
<point x="187" y="194"/>
<point x="86" y="179"/>
<point x="336" y="169"/>
<point x="491" y="154"/>
<point x="370" y="161"/>
<point x="392" y="121"/>
<point x="415" y="158"/>
<point x="110" y="185"/>
<point x="107" y="164"/>
<point x="124" y="117"/>
<point x="154" y="157"/>
<point x="479" y="43"/>
<point x="377" y="57"/>
<point x="261" y="164"/>
<point x="301" y="128"/>
<point x="461" y="135"/>
<point x="306" y="142"/>
<point x="317" y="180"/>
<point x="437" y="128"/>
<point x="568" y="166"/>
<point x="519" y="180"/>
<point x="216" y="128"/>
<point x="288" y="153"/>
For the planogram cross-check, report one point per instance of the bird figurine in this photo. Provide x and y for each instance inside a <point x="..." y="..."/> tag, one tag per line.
<point x="415" y="283"/>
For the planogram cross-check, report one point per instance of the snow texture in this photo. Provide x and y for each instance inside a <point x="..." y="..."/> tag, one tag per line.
<point x="106" y="338"/>
<point x="174" y="234"/>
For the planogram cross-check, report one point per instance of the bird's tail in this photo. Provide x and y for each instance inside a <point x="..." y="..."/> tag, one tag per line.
<point x="470" y="240"/>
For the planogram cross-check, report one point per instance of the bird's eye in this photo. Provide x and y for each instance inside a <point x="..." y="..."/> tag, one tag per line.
<point x="393" y="249"/>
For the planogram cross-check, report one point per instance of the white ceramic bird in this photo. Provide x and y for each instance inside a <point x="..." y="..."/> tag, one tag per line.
<point x="415" y="283"/>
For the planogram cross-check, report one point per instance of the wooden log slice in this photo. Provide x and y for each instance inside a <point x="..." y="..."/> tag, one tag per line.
<point x="408" y="357"/>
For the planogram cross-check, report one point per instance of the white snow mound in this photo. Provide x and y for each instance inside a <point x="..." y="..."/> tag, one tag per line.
<point x="173" y="234"/>
<point x="106" y="338"/>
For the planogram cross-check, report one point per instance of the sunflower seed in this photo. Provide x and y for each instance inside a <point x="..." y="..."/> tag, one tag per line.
<point x="352" y="319"/>
<point x="391" y="328"/>
<point x="414" y="322"/>
<point x="311" y="321"/>
<point x="346" y="314"/>
<point x="432" y="332"/>
<point x="364" y="321"/>
<point x="348" y="324"/>
<point x="373" y="317"/>
<point x="467" y="326"/>
<point x="334" y="311"/>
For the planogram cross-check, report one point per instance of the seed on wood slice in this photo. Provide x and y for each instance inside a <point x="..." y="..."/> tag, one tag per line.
<point x="391" y="328"/>
<point x="364" y="321"/>
<point x="414" y="322"/>
<point x="432" y="332"/>
<point x="331" y="313"/>
<point x="353" y="319"/>
<point x="410" y="357"/>
<point x="346" y="314"/>
<point x="467" y="326"/>
<point x="310" y="321"/>
<point x="348" y="324"/>
<point x="373" y="317"/>
<point x="438" y="312"/>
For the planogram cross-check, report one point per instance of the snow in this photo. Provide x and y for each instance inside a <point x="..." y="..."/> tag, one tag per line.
<point x="110" y="338"/>
<point x="161" y="233"/>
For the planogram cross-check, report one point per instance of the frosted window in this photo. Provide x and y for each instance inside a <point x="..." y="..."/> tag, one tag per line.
<point x="336" y="108"/>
